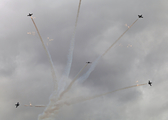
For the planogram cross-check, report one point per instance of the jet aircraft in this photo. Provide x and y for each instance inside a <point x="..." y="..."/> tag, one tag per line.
<point x="150" y="83"/>
<point x="30" y="14"/>
<point x="17" y="104"/>
<point x="140" y="16"/>
<point x="88" y="62"/>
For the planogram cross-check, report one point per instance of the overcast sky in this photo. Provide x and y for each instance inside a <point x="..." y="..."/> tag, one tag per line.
<point x="140" y="55"/>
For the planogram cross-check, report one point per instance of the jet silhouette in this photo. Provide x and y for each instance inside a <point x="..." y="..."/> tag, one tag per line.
<point x="150" y="83"/>
<point x="17" y="104"/>
<point x="30" y="14"/>
<point x="140" y="16"/>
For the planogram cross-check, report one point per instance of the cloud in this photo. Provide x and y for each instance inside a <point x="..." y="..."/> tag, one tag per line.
<point x="25" y="70"/>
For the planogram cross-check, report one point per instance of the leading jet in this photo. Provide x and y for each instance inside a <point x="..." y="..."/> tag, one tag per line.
<point x="30" y="14"/>
<point x="140" y="16"/>
<point x="150" y="83"/>
<point x="17" y="104"/>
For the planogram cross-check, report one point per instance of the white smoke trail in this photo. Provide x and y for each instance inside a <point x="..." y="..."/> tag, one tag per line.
<point x="63" y="80"/>
<point x="92" y="67"/>
<point x="76" y="100"/>
<point x="49" y="57"/>
<point x="51" y="110"/>
<point x="53" y="105"/>
<point x="119" y="38"/>
<point x="86" y="75"/>
<point x="82" y="99"/>
<point x="70" y="55"/>
<point x="71" y="83"/>
<point x="53" y="96"/>
<point x="55" y="108"/>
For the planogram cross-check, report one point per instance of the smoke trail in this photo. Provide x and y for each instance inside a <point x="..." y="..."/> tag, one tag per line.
<point x="48" y="54"/>
<point x="92" y="67"/>
<point x="86" y="75"/>
<point x="28" y="105"/>
<point x="39" y="106"/>
<point x="52" y="107"/>
<point x="35" y="106"/>
<point x="70" y="85"/>
<point x="59" y="105"/>
<point x="51" y="111"/>
<point x="80" y="99"/>
<point x="119" y="38"/>
<point x="70" y="55"/>
<point x="55" y="104"/>
<point x="63" y="80"/>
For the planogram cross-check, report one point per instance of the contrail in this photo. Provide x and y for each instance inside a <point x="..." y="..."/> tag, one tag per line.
<point x="92" y="67"/>
<point x="51" y="111"/>
<point x="28" y="105"/>
<point x="49" y="56"/>
<point x="80" y="99"/>
<point x="39" y="106"/>
<point x="70" y="85"/>
<point x="53" y="106"/>
<point x="55" y="103"/>
<point x="35" y="106"/>
<point x="55" y="99"/>
<point x="119" y="38"/>
<point x="70" y="57"/>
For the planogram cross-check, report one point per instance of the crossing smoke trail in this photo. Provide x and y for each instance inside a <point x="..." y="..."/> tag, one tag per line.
<point x="52" y="102"/>
<point x="71" y="83"/>
<point x="48" y="55"/>
<point x="56" y="107"/>
<point x="70" y="56"/>
<point x="53" y="109"/>
<point x="78" y="100"/>
<point x="62" y="82"/>
<point x="86" y="75"/>
<point x="53" y="105"/>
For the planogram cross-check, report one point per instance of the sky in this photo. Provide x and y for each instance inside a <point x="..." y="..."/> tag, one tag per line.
<point x="140" y="55"/>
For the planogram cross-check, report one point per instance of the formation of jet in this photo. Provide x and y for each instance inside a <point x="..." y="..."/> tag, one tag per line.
<point x="140" y="16"/>
<point x="150" y="83"/>
<point x="30" y="14"/>
<point x="17" y="104"/>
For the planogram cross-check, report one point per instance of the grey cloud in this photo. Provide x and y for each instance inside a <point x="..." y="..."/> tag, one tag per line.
<point x="25" y="71"/>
